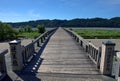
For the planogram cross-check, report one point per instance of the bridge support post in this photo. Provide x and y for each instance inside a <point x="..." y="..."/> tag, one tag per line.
<point x="98" y="58"/>
<point x="42" y="40"/>
<point x="16" y="55"/>
<point x="44" y="37"/>
<point x="38" y="43"/>
<point x="86" y="48"/>
<point x="107" y="58"/>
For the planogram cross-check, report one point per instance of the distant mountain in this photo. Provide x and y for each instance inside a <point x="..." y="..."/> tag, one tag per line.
<point x="92" y="22"/>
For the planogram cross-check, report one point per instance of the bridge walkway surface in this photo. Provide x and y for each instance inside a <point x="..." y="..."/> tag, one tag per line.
<point x="62" y="59"/>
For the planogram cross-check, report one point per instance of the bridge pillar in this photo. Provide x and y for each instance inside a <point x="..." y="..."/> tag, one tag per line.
<point x="16" y="55"/>
<point x="107" y="58"/>
<point x="38" y="43"/>
<point x="86" y="48"/>
<point x="42" y="40"/>
<point x="99" y="58"/>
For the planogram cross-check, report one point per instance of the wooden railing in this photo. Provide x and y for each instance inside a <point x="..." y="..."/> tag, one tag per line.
<point x="28" y="51"/>
<point x="94" y="52"/>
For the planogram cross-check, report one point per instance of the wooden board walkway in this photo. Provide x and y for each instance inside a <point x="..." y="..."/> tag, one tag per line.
<point x="62" y="60"/>
<point x="62" y="55"/>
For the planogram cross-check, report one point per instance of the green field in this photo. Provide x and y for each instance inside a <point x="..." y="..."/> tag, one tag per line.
<point x="29" y="34"/>
<point x="98" y="33"/>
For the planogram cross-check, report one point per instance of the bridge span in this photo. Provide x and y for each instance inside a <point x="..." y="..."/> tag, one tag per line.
<point x="61" y="59"/>
<point x="64" y="60"/>
<point x="63" y="55"/>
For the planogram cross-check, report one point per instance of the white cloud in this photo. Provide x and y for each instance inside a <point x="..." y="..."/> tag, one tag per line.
<point x="33" y="14"/>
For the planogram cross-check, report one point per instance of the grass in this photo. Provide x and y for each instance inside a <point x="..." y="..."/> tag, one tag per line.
<point x="98" y="33"/>
<point x="29" y="35"/>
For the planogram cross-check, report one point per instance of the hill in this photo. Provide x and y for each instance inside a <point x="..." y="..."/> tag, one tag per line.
<point x="92" y="22"/>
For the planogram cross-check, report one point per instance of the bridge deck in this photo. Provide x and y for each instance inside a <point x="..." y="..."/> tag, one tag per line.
<point x="62" y="55"/>
<point x="62" y="60"/>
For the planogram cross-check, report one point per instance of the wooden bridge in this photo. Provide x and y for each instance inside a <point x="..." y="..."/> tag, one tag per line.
<point x="63" y="55"/>
<point x="61" y="58"/>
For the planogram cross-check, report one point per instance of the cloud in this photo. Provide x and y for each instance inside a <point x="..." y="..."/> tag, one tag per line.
<point x="33" y="14"/>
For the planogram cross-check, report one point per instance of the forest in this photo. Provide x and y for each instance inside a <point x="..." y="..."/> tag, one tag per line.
<point x="7" y="32"/>
<point x="78" y="22"/>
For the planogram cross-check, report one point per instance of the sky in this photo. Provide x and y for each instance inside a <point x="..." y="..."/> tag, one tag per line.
<point x="27" y="10"/>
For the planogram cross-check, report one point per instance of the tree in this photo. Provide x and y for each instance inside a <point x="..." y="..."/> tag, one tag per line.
<point x="7" y="32"/>
<point x="21" y="29"/>
<point x="41" y="28"/>
<point x="28" y="28"/>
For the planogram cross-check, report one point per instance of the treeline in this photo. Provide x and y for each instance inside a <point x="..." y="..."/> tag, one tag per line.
<point x="7" y="32"/>
<point x="27" y="28"/>
<point x="92" y="22"/>
<point x="28" y="32"/>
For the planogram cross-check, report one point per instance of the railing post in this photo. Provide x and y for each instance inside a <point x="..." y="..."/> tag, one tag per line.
<point x="38" y="43"/>
<point x="44" y="37"/>
<point x="23" y="54"/>
<point x="86" y="48"/>
<point x="33" y="48"/>
<point x="81" y="43"/>
<point x="41" y="40"/>
<point x="16" y="55"/>
<point x="107" y="58"/>
<point x="77" y="39"/>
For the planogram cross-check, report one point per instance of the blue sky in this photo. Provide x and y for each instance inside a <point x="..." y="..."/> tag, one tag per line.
<point x="25" y="10"/>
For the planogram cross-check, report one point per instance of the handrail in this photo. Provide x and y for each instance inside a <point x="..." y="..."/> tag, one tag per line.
<point x="28" y="50"/>
<point x="42" y="35"/>
<point x="94" y="46"/>
<point x="91" y="49"/>
<point x="81" y="38"/>
<point x="3" y="51"/>
<point x="75" y="34"/>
